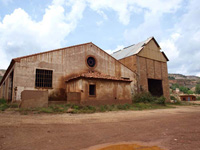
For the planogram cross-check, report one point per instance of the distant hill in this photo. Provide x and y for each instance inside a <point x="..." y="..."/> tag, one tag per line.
<point x="183" y="80"/>
<point x="2" y="71"/>
<point x="180" y="76"/>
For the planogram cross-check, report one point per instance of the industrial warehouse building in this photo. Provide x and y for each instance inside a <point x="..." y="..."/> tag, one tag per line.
<point x="86" y="74"/>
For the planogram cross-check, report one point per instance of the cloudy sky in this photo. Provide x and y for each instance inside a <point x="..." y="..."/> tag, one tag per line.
<point x="31" y="26"/>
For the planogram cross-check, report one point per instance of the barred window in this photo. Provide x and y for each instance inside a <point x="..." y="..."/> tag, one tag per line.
<point x="43" y="78"/>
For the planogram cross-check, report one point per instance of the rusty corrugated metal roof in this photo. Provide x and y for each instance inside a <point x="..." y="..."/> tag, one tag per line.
<point x="97" y="75"/>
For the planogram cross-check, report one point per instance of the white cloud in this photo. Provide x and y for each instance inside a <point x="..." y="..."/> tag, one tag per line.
<point x="184" y="45"/>
<point x="175" y="36"/>
<point x="120" y="6"/>
<point x="105" y="17"/>
<point x="58" y="2"/>
<point x="21" y="35"/>
<point x="109" y="51"/>
<point x="6" y="2"/>
<point x="125" y="8"/>
<point x="99" y="23"/>
<point x="153" y="12"/>
<point x="78" y="6"/>
<point x="169" y="47"/>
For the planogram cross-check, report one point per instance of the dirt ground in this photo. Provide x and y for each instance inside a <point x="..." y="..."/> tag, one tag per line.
<point x="174" y="129"/>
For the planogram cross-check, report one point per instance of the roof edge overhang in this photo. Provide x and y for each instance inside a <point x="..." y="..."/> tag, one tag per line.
<point x="54" y="50"/>
<point x="152" y="38"/>
<point x="165" y="56"/>
<point x="7" y="71"/>
<point x="19" y="58"/>
<point x="81" y="77"/>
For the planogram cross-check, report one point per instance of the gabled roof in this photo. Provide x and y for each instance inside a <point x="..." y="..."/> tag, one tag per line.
<point x="97" y="75"/>
<point x="19" y="58"/>
<point x="132" y="49"/>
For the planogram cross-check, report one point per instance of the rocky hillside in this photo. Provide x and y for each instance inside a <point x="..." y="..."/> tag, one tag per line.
<point x="182" y="80"/>
<point x="2" y="73"/>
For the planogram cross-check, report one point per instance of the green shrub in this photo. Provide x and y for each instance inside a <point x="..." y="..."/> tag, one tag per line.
<point x="146" y="97"/>
<point x="103" y="108"/>
<point x="3" y="105"/>
<point x="190" y="92"/>
<point x="75" y="106"/>
<point x="3" y="101"/>
<point x="198" y="98"/>
<point x="174" y="86"/>
<point x="184" y="89"/>
<point x="172" y="98"/>
<point x="171" y="78"/>
<point x="143" y="97"/>
<point x="197" y="89"/>
<point x="160" y="100"/>
<point x="46" y="110"/>
<point x="87" y="109"/>
<point x="123" y="107"/>
<point x="177" y="102"/>
<point x="14" y="105"/>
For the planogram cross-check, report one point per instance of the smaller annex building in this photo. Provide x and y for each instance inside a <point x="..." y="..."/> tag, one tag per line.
<point x="186" y="97"/>
<point x="86" y="74"/>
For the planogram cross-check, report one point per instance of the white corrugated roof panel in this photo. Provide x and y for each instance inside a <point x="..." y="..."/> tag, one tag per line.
<point x="130" y="50"/>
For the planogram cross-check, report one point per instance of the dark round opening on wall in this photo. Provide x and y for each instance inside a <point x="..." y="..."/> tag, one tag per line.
<point x="91" y="61"/>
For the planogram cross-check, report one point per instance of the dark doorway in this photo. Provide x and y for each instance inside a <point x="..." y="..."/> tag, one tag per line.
<point x="155" y="87"/>
<point x="92" y="89"/>
<point x="10" y="87"/>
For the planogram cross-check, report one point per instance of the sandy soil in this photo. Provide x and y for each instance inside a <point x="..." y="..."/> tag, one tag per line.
<point x="174" y="129"/>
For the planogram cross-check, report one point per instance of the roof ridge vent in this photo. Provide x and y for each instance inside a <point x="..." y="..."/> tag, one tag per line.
<point x="129" y="46"/>
<point x="116" y="51"/>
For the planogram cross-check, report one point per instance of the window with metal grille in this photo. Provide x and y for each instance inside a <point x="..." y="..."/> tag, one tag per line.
<point x="43" y="78"/>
